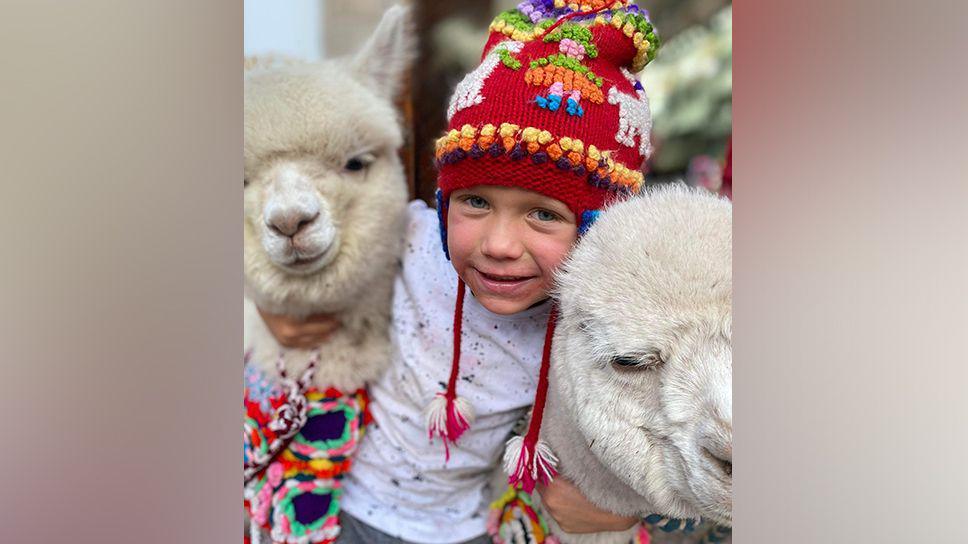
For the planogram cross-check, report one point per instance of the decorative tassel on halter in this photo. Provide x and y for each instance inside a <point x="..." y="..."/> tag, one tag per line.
<point x="529" y="460"/>
<point x="448" y="415"/>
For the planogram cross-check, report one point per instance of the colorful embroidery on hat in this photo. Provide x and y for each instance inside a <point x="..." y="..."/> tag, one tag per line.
<point x="564" y="75"/>
<point x="519" y="27"/>
<point x="542" y="147"/>
<point x="564" y="71"/>
<point x="468" y="92"/>
<point x="507" y="58"/>
<point x="532" y="18"/>
<point x="634" y="116"/>
<point x="574" y="40"/>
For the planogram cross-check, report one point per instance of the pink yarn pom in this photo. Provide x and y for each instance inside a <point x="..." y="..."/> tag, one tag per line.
<point x="644" y="537"/>
<point x="448" y="418"/>
<point x="528" y="463"/>
<point x="571" y="48"/>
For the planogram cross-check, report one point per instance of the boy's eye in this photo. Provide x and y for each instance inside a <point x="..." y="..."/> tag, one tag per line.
<point x="545" y="215"/>
<point x="476" y="202"/>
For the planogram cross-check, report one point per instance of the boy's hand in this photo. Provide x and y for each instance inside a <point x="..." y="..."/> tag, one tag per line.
<point x="575" y="514"/>
<point x="306" y="333"/>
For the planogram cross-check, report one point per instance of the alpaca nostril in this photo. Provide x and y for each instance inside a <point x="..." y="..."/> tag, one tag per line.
<point x="305" y="222"/>
<point x="290" y="225"/>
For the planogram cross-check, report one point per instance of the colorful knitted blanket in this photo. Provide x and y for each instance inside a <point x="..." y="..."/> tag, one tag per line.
<point x="298" y="442"/>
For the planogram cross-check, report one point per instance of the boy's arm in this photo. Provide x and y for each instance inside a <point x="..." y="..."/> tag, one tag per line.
<point x="300" y="333"/>
<point x="575" y="514"/>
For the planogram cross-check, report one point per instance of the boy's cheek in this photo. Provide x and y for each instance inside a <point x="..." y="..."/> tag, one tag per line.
<point x="554" y="250"/>
<point x="458" y="237"/>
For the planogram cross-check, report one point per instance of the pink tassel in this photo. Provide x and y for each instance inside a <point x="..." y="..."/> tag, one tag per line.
<point x="448" y="418"/>
<point x="528" y="463"/>
<point x="528" y="460"/>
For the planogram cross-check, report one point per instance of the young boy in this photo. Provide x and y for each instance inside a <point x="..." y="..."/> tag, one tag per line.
<point x="546" y="131"/>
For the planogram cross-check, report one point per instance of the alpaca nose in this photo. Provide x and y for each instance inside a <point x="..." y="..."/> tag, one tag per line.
<point x="290" y="222"/>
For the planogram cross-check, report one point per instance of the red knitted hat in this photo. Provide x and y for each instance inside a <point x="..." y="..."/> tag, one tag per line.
<point x="554" y="107"/>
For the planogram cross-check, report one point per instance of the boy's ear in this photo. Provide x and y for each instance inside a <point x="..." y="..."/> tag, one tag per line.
<point x="386" y="57"/>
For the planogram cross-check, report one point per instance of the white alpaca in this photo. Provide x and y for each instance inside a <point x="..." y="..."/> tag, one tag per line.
<point x="639" y="409"/>
<point x="324" y="217"/>
<point x="325" y="201"/>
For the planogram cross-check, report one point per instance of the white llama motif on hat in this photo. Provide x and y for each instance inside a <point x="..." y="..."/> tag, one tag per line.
<point x="634" y="115"/>
<point x="468" y="92"/>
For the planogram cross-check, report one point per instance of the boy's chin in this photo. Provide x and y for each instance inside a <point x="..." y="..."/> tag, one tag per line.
<point x="502" y="306"/>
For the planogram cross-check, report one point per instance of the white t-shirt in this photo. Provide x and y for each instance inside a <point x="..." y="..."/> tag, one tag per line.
<point x="399" y="482"/>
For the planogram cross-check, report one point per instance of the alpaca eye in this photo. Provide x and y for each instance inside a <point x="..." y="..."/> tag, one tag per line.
<point x="626" y="362"/>
<point x="637" y="362"/>
<point x="359" y="162"/>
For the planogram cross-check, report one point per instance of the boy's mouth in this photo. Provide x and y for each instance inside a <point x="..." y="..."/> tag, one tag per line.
<point x="501" y="283"/>
<point x="510" y="279"/>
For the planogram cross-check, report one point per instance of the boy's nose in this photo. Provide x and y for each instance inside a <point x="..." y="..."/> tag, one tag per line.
<point x="502" y="243"/>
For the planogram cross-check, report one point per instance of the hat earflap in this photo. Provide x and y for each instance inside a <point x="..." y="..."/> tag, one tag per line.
<point x="529" y="460"/>
<point x="442" y="220"/>
<point x="448" y="415"/>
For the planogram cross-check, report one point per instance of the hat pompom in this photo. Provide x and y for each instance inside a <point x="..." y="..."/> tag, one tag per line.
<point x="448" y="418"/>
<point x="527" y="462"/>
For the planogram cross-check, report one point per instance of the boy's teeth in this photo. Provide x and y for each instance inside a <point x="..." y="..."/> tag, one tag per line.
<point x="507" y="278"/>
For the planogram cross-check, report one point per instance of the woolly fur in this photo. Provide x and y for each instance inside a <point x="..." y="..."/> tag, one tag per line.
<point x="651" y="281"/>
<point x="303" y="123"/>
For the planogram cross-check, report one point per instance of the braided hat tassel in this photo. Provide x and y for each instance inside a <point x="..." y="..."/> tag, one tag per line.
<point x="529" y="460"/>
<point x="448" y="415"/>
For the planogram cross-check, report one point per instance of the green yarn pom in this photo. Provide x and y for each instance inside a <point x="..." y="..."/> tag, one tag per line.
<point x="577" y="33"/>
<point x="508" y="59"/>
<point x="516" y="19"/>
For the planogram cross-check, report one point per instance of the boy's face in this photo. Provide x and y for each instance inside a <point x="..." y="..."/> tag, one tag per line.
<point x="506" y="242"/>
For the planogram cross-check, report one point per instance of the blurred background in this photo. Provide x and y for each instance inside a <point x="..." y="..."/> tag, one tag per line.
<point x="689" y="84"/>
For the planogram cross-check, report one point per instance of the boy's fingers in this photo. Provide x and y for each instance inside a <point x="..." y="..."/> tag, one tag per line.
<point x="300" y="333"/>
<point x="321" y="318"/>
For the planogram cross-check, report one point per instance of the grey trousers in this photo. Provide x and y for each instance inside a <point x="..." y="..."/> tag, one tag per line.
<point x="354" y="531"/>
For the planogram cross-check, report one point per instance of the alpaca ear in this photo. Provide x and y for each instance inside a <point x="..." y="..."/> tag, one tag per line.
<point x="386" y="57"/>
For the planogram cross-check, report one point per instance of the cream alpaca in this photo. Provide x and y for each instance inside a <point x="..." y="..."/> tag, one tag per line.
<point x="639" y="410"/>
<point x="324" y="202"/>
<point x="324" y="214"/>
